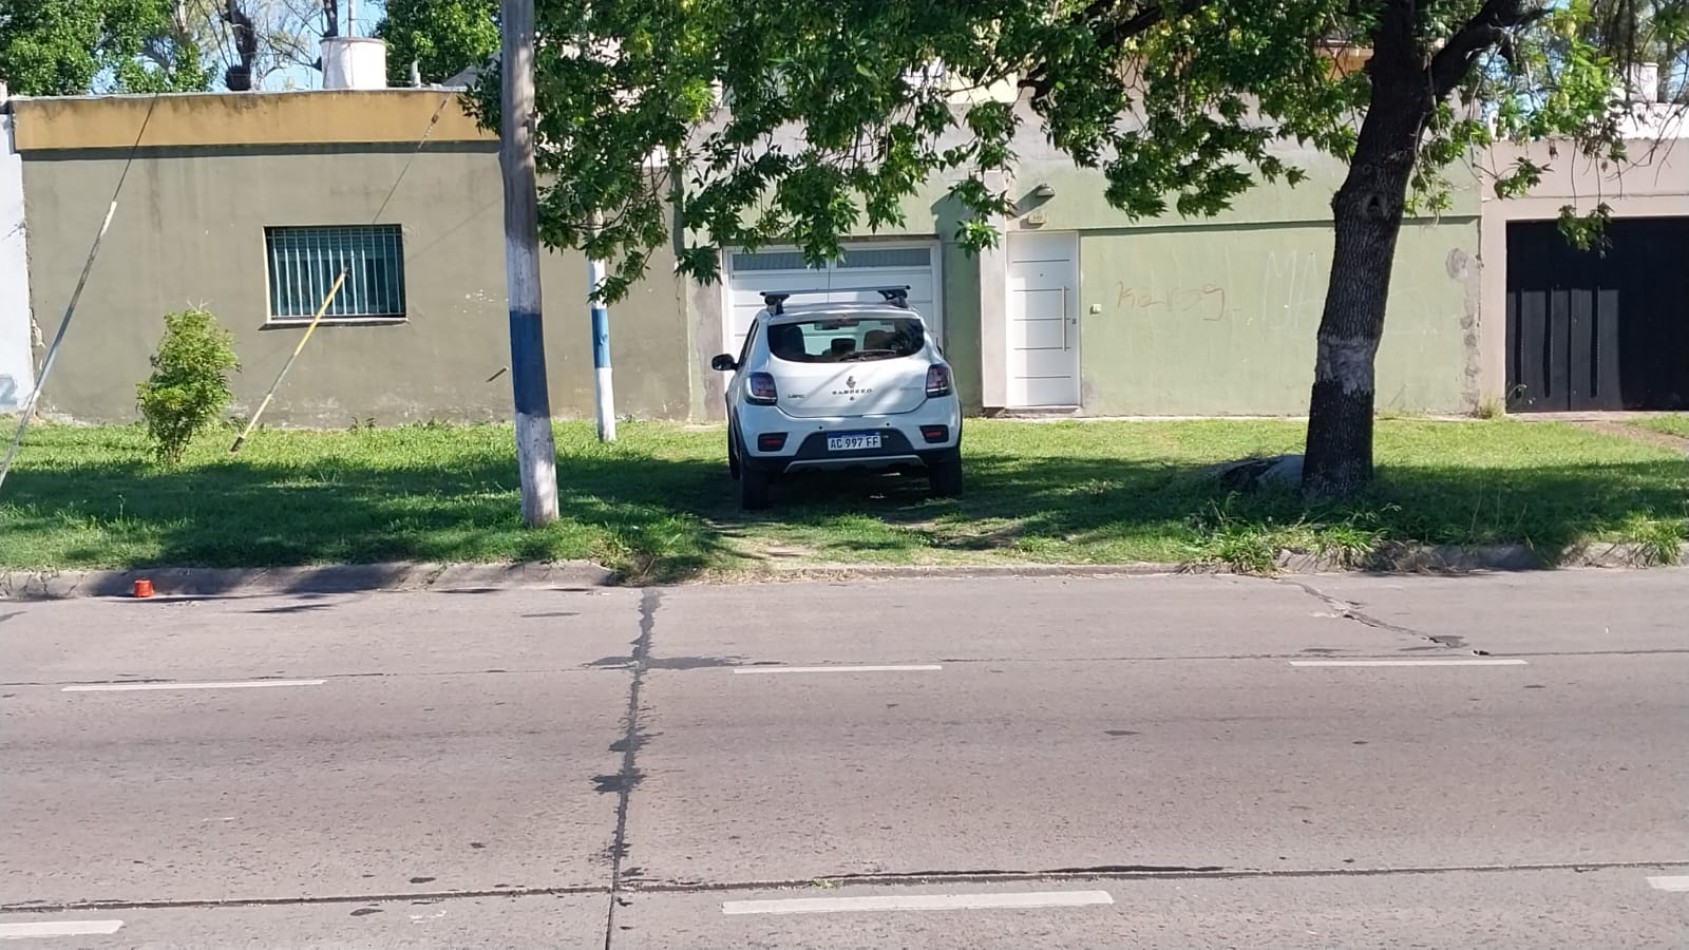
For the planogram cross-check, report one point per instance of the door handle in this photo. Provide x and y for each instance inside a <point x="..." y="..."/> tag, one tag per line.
<point x="1064" y="317"/>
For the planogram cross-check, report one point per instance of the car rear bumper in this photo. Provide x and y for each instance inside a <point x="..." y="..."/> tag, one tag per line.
<point x="903" y="444"/>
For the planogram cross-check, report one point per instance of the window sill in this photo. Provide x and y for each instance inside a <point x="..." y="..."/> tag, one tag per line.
<point x="292" y="324"/>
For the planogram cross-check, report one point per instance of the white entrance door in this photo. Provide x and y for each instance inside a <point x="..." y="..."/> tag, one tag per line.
<point x="1043" y="337"/>
<point x="865" y="266"/>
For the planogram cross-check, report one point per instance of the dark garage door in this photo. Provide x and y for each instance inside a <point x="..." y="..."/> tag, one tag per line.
<point x="1587" y="331"/>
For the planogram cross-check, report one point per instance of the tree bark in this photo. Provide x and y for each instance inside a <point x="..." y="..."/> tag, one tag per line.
<point x="1367" y="214"/>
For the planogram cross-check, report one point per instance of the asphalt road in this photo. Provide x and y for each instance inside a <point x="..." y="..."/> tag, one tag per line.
<point x="1494" y="761"/>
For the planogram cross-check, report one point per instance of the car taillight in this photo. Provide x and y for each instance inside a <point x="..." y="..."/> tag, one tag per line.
<point x="938" y="380"/>
<point x="759" y="388"/>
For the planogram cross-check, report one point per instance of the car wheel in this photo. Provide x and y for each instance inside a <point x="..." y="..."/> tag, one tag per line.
<point x="753" y="487"/>
<point x="732" y="453"/>
<point x="945" y="476"/>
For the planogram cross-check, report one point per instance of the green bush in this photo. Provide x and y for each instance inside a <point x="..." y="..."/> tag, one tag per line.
<point x="189" y="386"/>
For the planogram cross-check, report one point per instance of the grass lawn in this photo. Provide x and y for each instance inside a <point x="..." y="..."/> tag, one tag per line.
<point x="1676" y="423"/>
<point x="658" y="504"/>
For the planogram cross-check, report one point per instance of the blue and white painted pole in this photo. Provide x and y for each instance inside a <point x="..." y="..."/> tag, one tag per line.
<point x="603" y="389"/>
<point x="536" y="450"/>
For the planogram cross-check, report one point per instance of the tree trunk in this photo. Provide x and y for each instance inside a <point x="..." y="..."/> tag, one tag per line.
<point x="1367" y="213"/>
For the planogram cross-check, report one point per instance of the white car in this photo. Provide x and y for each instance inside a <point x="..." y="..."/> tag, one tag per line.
<point x="828" y="386"/>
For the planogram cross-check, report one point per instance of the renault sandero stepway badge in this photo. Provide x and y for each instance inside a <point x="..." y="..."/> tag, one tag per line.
<point x="851" y="390"/>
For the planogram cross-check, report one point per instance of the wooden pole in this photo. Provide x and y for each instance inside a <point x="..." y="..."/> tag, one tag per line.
<point x="536" y="452"/>
<point x="328" y="301"/>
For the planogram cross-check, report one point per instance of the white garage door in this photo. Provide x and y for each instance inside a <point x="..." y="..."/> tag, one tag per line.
<point x="864" y="267"/>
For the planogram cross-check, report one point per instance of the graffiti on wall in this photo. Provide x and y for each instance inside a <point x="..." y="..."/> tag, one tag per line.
<point x="11" y="396"/>
<point x="1283" y="287"/>
<point x="1207" y="301"/>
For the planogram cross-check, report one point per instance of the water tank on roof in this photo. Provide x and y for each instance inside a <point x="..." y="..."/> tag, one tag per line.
<point x="354" y="62"/>
<point x="1644" y="82"/>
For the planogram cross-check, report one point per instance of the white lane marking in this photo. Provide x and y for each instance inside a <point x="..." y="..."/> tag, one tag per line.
<point x="1408" y="663"/>
<point x="1675" y="884"/>
<point x="835" y="905"/>
<point x="58" y="928"/>
<point x="134" y="687"/>
<point x="837" y="669"/>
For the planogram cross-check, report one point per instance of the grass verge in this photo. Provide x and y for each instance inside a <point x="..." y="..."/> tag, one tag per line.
<point x="658" y="505"/>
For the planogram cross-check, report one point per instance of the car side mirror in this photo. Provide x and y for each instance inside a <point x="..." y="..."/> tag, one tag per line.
<point x="724" y="364"/>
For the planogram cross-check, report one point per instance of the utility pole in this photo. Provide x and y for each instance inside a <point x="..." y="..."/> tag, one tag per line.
<point x="536" y="452"/>
<point x="603" y="391"/>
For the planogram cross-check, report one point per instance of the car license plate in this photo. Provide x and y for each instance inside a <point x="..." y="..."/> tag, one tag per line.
<point x="854" y="442"/>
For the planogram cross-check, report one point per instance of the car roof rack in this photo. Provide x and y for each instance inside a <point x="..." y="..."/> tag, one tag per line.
<point x="775" y="300"/>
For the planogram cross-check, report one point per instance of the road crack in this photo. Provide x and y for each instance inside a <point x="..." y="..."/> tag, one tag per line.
<point x="1350" y="611"/>
<point x="624" y="781"/>
<point x="1103" y="873"/>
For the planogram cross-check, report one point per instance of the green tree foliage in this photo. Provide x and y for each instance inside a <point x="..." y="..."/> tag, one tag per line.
<point x="188" y="390"/>
<point x="803" y="121"/>
<point x="76" y="47"/>
<point x="443" y="37"/>
<point x="73" y="47"/>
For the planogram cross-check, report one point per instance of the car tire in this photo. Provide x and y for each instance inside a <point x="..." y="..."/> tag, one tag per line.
<point x="753" y="487"/>
<point x="733" y="464"/>
<point x="945" y="476"/>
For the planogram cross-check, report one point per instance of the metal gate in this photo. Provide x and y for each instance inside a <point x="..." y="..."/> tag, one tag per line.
<point x="1587" y="331"/>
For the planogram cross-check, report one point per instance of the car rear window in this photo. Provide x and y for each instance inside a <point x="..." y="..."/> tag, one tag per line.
<point x="845" y="339"/>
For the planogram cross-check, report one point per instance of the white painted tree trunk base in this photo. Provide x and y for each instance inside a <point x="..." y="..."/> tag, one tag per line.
<point x="605" y="400"/>
<point x="536" y="452"/>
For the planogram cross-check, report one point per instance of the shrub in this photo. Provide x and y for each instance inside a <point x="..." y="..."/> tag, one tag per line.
<point x="189" y="386"/>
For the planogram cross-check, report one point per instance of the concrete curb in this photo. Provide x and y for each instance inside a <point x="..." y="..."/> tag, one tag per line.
<point x="323" y="579"/>
<point x="1393" y="559"/>
<point x="580" y="575"/>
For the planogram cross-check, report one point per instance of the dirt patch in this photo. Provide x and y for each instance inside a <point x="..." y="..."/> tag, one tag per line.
<point x="766" y="549"/>
<point x="1637" y="433"/>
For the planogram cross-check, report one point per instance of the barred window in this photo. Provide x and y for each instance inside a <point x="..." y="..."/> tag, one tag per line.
<point x="305" y="261"/>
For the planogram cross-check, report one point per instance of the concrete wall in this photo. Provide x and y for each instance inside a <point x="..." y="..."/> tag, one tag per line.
<point x="1218" y="316"/>
<point x="1218" y="321"/>
<point x="17" y="365"/>
<point x="189" y="230"/>
<point x="1652" y="182"/>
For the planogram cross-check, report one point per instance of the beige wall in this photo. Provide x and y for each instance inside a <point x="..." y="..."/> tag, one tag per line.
<point x="272" y="118"/>
<point x="1653" y="181"/>
<point x="189" y="230"/>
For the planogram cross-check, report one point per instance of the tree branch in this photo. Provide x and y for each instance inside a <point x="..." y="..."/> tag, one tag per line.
<point x="1111" y="34"/>
<point x="1487" y="28"/>
<point x="1139" y="23"/>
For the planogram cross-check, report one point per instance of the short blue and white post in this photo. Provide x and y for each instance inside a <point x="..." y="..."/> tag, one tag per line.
<point x="603" y="388"/>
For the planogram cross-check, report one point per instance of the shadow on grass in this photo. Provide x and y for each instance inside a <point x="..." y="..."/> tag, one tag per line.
<point x="1095" y="510"/>
<point x="637" y="516"/>
<point x="659" y="520"/>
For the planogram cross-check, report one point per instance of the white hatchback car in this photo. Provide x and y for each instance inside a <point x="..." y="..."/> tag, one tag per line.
<point x="829" y="386"/>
